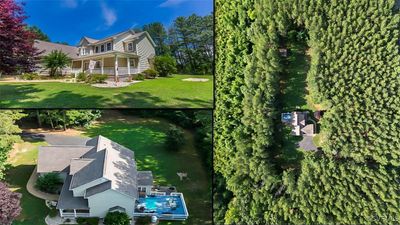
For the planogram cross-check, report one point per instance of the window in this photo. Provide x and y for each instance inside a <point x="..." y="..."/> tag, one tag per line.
<point x="109" y="47"/>
<point x="97" y="49"/>
<point x="102" y="48"/>
<point x="130" y="47"/>
<point x="141" y="189"/>
<point x="132" y="63"/>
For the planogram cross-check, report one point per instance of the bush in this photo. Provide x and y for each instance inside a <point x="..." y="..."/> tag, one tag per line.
<point x="175" y="138"/>
<point x="97" y="78"/>
<point x="53" y="212"/>
<point x="165" y="65"/>
<point x="117" y="218"/>
<point x="150" y="74"/>
<point x="30" y="76"/>
<point x="88" y="221"/>
<point x="143" y="220"/>
<point x="139" y="76"/>
<point x="48" y="182"/>
<point x="81" y="77"/>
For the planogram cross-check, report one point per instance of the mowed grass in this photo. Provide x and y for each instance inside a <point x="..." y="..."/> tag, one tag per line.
<point x="171" y="92"/>
<point x="146" y="138"/>
<point x="23" y="160"/>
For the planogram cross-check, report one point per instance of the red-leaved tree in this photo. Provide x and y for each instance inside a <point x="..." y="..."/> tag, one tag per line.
<point x="17" y="52"/>
<point x="9" y="203"/>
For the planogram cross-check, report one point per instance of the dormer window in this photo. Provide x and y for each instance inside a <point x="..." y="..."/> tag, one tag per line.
<point x="102" y="48"/>
<point x="109" y="46"/>
<point x="130" y="47"/>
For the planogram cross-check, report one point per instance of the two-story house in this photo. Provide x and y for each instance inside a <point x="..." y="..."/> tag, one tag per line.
<point x="101" y="177"/>
<point x="121" y="54"/>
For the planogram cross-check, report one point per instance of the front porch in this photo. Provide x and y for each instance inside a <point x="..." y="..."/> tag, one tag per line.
<point x="113" y="64"/>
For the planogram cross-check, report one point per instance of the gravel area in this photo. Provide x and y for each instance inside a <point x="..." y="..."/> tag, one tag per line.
<point x="112" y="84"/>
<point x="196" y="79"/>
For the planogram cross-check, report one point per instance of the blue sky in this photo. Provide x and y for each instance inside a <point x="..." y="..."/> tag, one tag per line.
<point x="69" y="20"/>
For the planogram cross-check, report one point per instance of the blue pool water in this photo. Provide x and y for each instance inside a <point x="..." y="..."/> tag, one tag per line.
<point x="161" y="205"/>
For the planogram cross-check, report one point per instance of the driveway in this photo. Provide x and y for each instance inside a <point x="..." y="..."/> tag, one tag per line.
<point x="307" y="144"/>
<point x="56" y="139"/>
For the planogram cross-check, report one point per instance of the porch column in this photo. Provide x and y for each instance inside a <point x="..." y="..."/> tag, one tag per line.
<point x="102" y="65"/>
<point x="82" y="65"/>
<point x="74" y="212"/>
<point x="129" y="65"/>
<point x="116" y="69"/>
<point x="61" y="214"/>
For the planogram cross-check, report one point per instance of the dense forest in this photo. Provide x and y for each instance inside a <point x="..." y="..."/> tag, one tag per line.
<point x="355" y="63"/>
<point x="189" y="40"/>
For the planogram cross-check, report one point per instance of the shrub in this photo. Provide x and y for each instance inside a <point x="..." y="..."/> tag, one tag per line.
<point x="97" y="78"/>
<point x="143" y="220"/>
<point x="48" y="182"/>
<point x="55" y="62"/>
<point x="81" y="77"/>
<point x="117" y="218"/>
<point x="175" y="138"/>
<point x="30" y="76"/>
<point x="88" y="221"/>
<point x="165" y="65"/>
<point x="53" y="212"/>
<point x="150" y="74"/>
<point x="139" y="76"/>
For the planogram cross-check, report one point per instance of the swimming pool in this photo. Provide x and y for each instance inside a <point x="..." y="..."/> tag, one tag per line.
<point x="161" y="205"/>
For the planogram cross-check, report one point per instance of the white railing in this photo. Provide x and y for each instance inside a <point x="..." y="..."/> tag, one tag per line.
<point x="111" y="71"/>
<point x="183" y="203"/>
<point x="158" y="193"/>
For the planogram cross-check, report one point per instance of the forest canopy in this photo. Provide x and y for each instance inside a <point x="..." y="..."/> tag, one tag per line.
<point x="354" y="178"/>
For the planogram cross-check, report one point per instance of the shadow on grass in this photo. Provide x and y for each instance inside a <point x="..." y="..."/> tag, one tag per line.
<point x="294" y="80"/>
<point x="34" y="210"/>
<point x="31" y="95"/>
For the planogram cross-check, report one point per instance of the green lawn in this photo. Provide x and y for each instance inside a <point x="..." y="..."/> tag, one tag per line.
<point x="169" y="92"/>
<point x="23" y="162"/>
<point x="146" y="137"/>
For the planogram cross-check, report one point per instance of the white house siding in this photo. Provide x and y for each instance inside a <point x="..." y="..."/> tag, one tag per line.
<point x="118" y="42"/>
<point x="80" y="191"/>
<point x="144" y="49"/>
<point x="98" y="208"/>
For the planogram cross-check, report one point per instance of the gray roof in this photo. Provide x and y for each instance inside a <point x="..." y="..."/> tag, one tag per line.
<point x="145" y="178"/>
<point x="67" y="199"/>
<point x="91" y="40"/>
<point x="48" y="47"/>
<point x="47" y="162"/>
<point x="101" y="158"/>
<point x="98" y="188"/>
<point x="92" y="171"/>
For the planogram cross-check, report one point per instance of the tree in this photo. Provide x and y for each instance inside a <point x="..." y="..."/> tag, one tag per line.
<point x="117" y="218"/>
<point x="8" y="135"/>
<point x="9" y="204"/>
<point x="39" y="34"/>
<point x="49" y="182"/>
<point x="17" y="53"/>
<point x="165" y="65"/>
<point x="158" y="33"/>
<point x="175" y="138"/>
<point x="67" y="118"/>
<point x="56" y="61"/>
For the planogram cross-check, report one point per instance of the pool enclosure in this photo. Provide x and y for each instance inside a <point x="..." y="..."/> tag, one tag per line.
<point x="162" y="206"/>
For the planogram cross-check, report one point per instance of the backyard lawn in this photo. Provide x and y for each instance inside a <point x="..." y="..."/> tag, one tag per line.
<point x="146" y="137"/>
<point x="169" y="92"/>
<point x="23" y="160"/>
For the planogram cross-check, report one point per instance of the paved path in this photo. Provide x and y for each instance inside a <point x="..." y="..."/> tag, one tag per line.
<point x="57" y="139"/>
<point x="30" y="187"/>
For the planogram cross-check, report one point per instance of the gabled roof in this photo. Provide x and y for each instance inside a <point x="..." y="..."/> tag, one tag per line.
<point x="101" y="158"/>
<point x="135" y="36"/>
<point x="145" y="178"/>
<point x="47" y="47"/>
<point x="47" y="162"/>
<point x="67" y="199"/>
